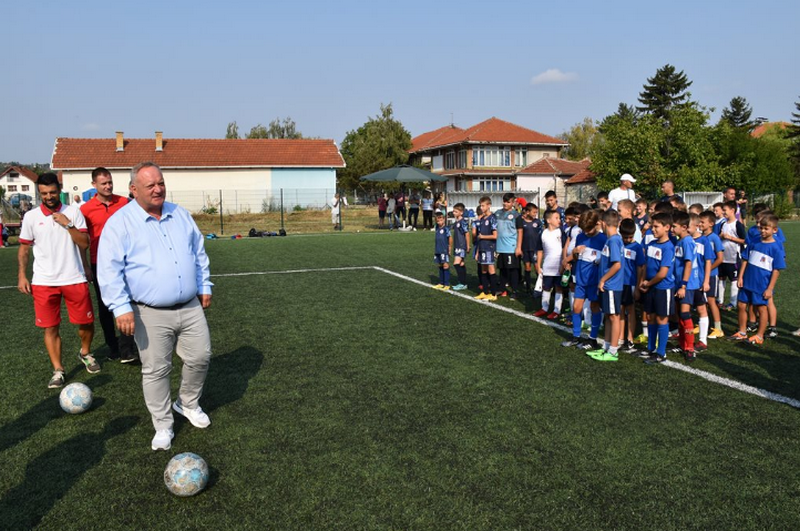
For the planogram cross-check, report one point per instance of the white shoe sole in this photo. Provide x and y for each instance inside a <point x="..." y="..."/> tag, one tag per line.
<point x="178" y="409"/>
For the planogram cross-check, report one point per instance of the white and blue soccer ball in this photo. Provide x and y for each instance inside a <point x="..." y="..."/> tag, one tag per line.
<point x="75" y="398"/>
<point x="186" y="474"/>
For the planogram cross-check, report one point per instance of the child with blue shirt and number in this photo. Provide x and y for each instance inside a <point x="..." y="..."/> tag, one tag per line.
<point x="687" y="281"/>
<point x="443" y="244"/>
<point x="588" y="247"/>
<point x="461" y="245"/>
<point x="484" y="232"/>
<point x="633" y="273"/>
<point x="705" y="257"/>
<point x="761" y="264"/>
<point x="657" y="288"/>
<point x="610" y="286"/>
<point x="707" y="223"/>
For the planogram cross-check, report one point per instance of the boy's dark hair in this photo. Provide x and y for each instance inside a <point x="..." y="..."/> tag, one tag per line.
<point x="716" y="205"/>
<point x="758" y="208"/>
<point x="439" y="214"/>
<point x="485" y="199"/>
<point x="459" y="206"/>
<point x="550" y="213"/>
<point x="680" y="218"/>
<point x="48" y="179"/>
<point x="97" y="172"/>
<point x="641" y="200"/>
<point x="627" y="228"/>
<point x="611" y="218"/>
<point x="769" y="219"/>
<point x="581" y="208"/>
<point x="508" y="196"/>
<point x="574" y="204"/>
<point x="589" y="220"/>
<point x="708" y="216"/>
<point x="530" y="207"/>
<point x="696" y="206"/>
<point x="731" y="205"/>
<point x="549" y="194"/>
<point x="663" y="218"/>
<point x="678" y="200"/>
<point x="570" y="211"/>
<point x="662" y="207"/>
<point x="602" y="195"/>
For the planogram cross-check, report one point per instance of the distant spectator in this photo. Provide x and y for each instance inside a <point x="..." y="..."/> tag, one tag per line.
<point x="336" y="205"/>
<point x="381" y="210"/>
<point x="668" y="189"/>
<point x="427" y="211"/>
<point x="742" y="202"/>
<point x="624" y="191"/>
<point x="413" y="209"/>
<point x="391" y="205"/>
<point x="602" y="201"/>
<point x="730" y="195"/>
<point x="400" y="207"/>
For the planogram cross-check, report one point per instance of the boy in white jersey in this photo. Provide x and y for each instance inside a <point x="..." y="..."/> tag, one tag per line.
<point x="548" y="265"/>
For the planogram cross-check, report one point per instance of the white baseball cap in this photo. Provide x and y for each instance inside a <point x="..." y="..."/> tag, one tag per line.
<point x="627" y="177"/>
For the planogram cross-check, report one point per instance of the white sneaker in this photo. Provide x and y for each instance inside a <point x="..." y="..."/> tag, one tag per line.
<point x="196" y="416"/>
<point x="162" y="440"/>
<point x="796" y="332"/>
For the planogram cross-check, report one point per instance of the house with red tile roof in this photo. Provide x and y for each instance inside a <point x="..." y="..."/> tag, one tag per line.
<point x="197" y="171"/>
<point x="19" y="182"/>
<point x="485" y="157"/>
<point x="759" y="130"/>
<point x="571" y="180"/>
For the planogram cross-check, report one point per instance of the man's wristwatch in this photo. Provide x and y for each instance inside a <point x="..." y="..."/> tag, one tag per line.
<point x="70" y="225"/>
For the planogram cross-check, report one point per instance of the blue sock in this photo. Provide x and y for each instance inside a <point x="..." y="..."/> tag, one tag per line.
<point x="663" y="336"/>
<point x="597" y="318"/>
<point x="446" y="277"/>
<point x="652" y="336"/>
<point x="577" y="319"/>
<point x="441" y="275"/>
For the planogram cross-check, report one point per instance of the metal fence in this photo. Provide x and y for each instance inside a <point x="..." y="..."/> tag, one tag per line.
<point x="231" y="202"/>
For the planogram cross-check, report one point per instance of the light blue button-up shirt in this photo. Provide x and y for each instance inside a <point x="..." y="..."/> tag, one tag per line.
<point x="158" y="262"/>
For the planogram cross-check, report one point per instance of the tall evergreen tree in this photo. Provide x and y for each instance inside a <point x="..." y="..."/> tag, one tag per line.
<point x="793" y="134"/>
<point x="664" y="91"/>
<point x="233" y="131"/>
<point x="738" y="114"/>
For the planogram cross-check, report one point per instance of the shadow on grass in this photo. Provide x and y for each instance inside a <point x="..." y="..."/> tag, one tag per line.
<point x="228" y="378"/>
<point x="39" y="415"/>
<point x="52" y="474"/>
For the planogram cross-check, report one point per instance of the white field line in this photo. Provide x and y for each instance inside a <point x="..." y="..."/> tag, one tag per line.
<point x="733" y="384"/>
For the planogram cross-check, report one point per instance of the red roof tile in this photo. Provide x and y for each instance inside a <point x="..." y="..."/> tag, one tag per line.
<point x="75" y="153"/>
<point x="551" y="166"/>
<point x="759" y="130"/>
<point x="30" y="174"/>
<point x="585" y="176"/>
<point x="492" y="130"/>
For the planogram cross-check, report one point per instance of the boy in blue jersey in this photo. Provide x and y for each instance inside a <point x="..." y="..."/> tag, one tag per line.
<point x="753" y="235"/>
<point x="551" y="200"/>
<point x="485" y="236"/>
<point x="508" y="260"/>
<point x="657" y="207"/>
<point x="705" y="257"/>
<point x="529" y="241"/>
<point x="657" y="287"/>
<point x="714" y="249"/>
<point x="461" y="244"/>
<point x="687" y="281"/>
<point x="610" y="286"/>
<point x="443" y="245"/>
<point x="761" y="264"/>
<point x="633" y="273"/>
<point x="588" y="248"/>
<point x="641" y="219"/>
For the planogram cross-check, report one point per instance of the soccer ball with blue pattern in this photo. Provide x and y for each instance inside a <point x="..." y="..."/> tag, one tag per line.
<point x="75" y="398"/>
<point x="186" y="474"/>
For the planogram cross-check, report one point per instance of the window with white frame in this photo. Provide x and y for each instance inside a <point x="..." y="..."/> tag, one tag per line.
<point x="462" y="158"/>
<point x="450" y="160"/>
<point x="491" y="156"/>
<point x="521" y="157"/>
<point x="12" y="187"/>
<point x="492" y="183"/>
<point x="25" y="188"/>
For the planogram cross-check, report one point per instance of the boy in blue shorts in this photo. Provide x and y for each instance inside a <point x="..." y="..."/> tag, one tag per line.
<point x="714" y="248"/>
<point x="753" y="236"/>
<point x="588" y="248"/>
<point x="633" y="273"/>
<point x="705" y="257"/>
<point x="529" y="241"/>
<point x="485" y="233"/>
<point x="687" y="281"/>
<point x="461" y="245"/>
<point x="761" y="264"/>
<point x="657" y="287"/>
<point x="610" y="286"/>
<point x="443" y="244"/>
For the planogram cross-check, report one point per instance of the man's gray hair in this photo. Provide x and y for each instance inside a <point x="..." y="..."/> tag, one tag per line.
<point x="136" y="169"/>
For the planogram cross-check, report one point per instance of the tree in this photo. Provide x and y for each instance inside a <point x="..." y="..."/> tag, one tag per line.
<point x="664" y="91"/>
<point x="380" y="143"/>
<point x="276" y="129"/>
<point x="793" y="134"/>
<point x="581" y="137"/>
<point x="233" y="131"/>
<point x="738" y="114"/>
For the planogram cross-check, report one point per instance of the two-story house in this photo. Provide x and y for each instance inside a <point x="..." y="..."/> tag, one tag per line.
<point x="484" y="158"/>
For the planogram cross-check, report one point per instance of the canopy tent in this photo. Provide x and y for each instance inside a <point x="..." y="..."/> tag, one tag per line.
<point x="403" y="174"/>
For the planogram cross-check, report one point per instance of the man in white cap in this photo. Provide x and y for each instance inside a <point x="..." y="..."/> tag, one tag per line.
<point x="625" y="190"/>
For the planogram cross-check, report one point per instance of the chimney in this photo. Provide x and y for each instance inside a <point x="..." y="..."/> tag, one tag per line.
<point x="120" y="142"/>
<point x="159" y="141"/>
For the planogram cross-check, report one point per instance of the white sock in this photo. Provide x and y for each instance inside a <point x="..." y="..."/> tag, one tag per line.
<point x="571" y="299"/>
<point x="718" y="325"/>
<point x="734" y="293"/>
<point x="606" y="345"/>
<point x="644" y="329"/>
<point x="587" y="313"/>
<point x="559" y="301"/>
<point x="546" y="301"/>
<point x="704" y="330"/>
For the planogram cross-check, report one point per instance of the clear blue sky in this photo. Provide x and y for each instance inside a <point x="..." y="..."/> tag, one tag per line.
<point x="88" y="69"/>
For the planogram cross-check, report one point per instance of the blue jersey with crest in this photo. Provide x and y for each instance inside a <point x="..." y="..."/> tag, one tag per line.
<point x="685" y="252"/>
<point x="506" y="230"/>
<point x="442" y="240"/>
<point x="633" y="259"/>
<point x="459" y="232"/>
<point x="660" y="255"/>
<point x="612" y="253"/>
<point x="586" y="267"/>
<point x="762" y="259"/>
<point x="485" y="227"/>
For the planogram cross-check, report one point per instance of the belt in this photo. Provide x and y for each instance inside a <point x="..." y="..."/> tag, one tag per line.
<point x="173" y="307"/>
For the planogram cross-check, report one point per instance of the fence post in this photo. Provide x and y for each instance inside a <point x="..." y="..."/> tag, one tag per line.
<point x="282" y="209"/>
<point x="340" y="209"/>
<point x="221" y="221"/>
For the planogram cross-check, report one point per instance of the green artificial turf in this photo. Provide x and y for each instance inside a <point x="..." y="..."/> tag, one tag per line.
<point x="358" y="400"/>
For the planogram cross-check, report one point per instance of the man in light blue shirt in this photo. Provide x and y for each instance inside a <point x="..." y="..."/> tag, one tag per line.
<point x="154" y="276"/>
